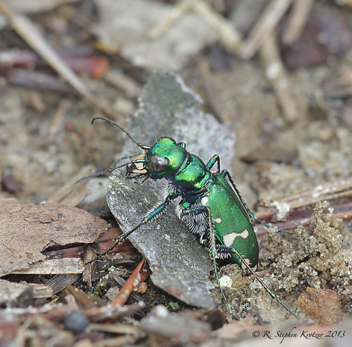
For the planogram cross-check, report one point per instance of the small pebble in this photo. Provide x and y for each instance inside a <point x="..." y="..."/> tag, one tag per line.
<point x="322" y="305"/>
<point x="76" y="322"/>
<point x="8" y="181"/>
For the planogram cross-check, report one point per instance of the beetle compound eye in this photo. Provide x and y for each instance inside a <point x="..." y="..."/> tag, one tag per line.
<point x="158" y="164"/>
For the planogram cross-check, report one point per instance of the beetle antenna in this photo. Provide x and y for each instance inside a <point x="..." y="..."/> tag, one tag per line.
<point x="95" y="174"/>
<point x="103" y="172"/>
<point x="122" y="129"/>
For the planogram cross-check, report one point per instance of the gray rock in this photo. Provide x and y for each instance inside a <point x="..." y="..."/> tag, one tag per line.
<point x="179" y="265"/>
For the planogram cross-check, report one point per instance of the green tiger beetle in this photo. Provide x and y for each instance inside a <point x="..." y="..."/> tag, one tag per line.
<point x="210" y="204"/>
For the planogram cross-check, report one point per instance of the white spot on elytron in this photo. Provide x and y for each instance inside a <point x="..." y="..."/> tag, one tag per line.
<point x="204" y="201"/>
<point x="217" y="220"/>
<point x="244" y="266"/>
<point x="230" y="238"/>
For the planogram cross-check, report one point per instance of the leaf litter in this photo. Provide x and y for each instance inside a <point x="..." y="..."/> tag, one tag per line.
<point x="27" y="230"/>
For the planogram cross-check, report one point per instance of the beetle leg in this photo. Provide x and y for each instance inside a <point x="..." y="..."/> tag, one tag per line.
<point x="215" y="159"/>
<point x="245" y="264"/>
<point x="151" y="215"/>
<point x="227" y="175"/>
<point x="112" y="167"/>
<point x="206" y="210"/>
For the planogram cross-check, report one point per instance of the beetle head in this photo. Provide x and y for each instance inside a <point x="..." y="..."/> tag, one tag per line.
<point x="163" y="160"/>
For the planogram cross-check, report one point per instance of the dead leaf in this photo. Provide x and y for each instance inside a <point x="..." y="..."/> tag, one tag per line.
<point x="15" y="292"/>
<point x="54" y="267"/>
<point x="26" y="230"/>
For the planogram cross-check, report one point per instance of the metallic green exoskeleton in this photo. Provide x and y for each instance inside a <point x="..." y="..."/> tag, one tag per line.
<point x="209" y="203"/>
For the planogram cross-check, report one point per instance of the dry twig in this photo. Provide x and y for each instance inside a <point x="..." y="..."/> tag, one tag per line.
<point x="305" y="197"/>
<point x="139" y="274"/>
<point x="297" y="19"/>
<point x="57" y="121"/>
<point x="70" y="194"/>
<point x="266" y="24"/>
<point x="276" y="74"/>
<point x="228" y="35"/>
<point x="27" y="30"/>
